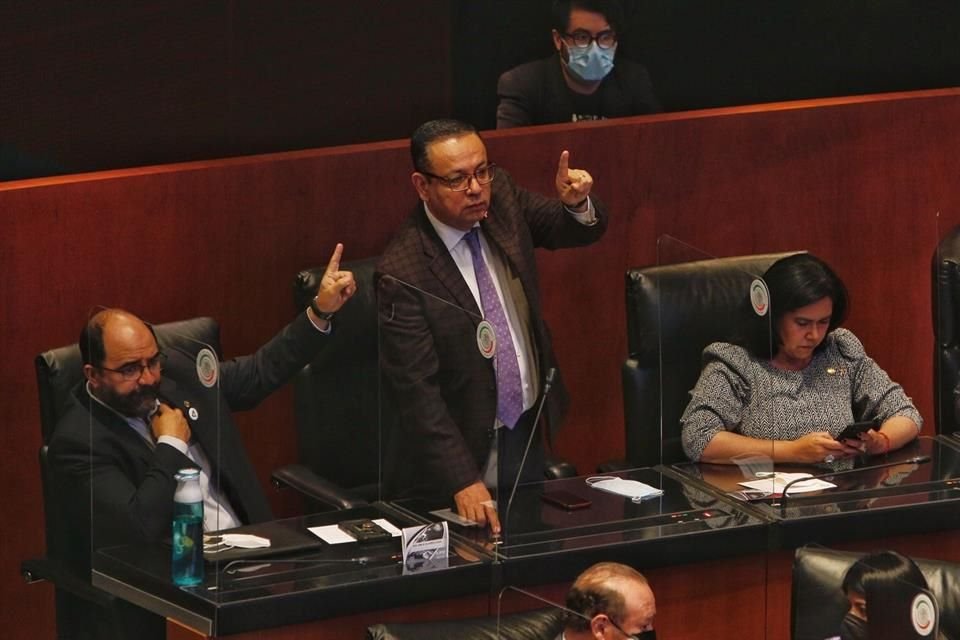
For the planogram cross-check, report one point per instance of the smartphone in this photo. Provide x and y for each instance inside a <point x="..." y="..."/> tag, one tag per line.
<point x="853" y="431"/>
<point x="565" y="500"/>
<point x="365" y="530"/>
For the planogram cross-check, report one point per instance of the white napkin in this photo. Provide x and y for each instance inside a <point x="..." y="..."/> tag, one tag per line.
<point x="236" y="540"/>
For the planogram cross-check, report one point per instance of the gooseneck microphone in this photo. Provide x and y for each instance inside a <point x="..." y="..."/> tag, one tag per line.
<point x="547" y="384"/>
<point x="404" y="283"/>
<point x="232" y="567"/>
<point x="783" y="498"/>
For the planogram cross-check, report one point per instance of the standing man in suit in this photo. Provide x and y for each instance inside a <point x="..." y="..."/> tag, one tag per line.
<point x="141" y="414"/>
<point x="585" y="80"/>
<point x="465" y="348"/>
<point x="610" y="600"/>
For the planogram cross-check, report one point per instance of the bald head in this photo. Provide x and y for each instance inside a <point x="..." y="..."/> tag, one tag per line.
<point x="614" y="590"/>
<point x="111" y="327"/>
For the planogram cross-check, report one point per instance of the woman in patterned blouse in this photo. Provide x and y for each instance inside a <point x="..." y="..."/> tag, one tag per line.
<point x="795" y="380"/>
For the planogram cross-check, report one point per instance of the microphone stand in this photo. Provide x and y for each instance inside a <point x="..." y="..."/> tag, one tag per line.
<point x="783" y="498"/>
<point x="548" y="383"/>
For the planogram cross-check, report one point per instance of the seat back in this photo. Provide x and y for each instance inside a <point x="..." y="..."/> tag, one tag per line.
<point x="946" y="327"/>
<point x="673" y="312"/>
<point x="338" y="397"/>
<point x="818" y="603"/>
<point x="529" y="625"/>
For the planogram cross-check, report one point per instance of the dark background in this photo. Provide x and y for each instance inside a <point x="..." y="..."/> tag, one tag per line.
<point x="89" y="86"/>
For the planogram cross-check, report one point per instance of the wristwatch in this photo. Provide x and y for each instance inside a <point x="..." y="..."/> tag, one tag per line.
<point x="323" y="315"/>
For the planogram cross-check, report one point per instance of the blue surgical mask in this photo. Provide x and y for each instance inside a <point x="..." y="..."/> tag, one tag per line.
<point x="589" y="64"/>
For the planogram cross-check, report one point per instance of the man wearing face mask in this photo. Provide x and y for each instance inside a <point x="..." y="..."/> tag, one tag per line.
<point x="584" y="80"/>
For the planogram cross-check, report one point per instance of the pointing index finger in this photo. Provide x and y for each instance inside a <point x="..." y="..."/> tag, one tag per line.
<point x="564" y="168"/>
<point x="335" y="259"/>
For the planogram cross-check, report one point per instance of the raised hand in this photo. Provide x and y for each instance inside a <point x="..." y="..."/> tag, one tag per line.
<point x="573" y="185"/>
<point x="336" y="287"/>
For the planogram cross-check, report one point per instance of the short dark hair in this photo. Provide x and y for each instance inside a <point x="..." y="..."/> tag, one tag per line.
<point x="430" y="132"/>
<point x="888" y="582"/>
<point x="792" y="282"/>
<point x="611" y="10"/>
<point x="593" y="594"/>
<point x="92" y="349"/>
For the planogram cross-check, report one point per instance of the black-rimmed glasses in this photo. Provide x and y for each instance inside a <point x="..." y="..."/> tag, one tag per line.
<point x="461" y="182"/>
<point x="133" y="370"/>
<point x="604" y="39"/>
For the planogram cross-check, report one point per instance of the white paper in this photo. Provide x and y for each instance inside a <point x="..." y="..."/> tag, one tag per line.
<point x="633" y="489"/>
<point x="333" y="534"/>
<point x="774" y="482"/>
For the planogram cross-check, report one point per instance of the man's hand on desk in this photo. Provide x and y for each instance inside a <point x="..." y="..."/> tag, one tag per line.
<point x="475" y="503"/>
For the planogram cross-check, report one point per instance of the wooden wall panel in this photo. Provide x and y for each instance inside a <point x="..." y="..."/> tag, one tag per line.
<point x="858" y="181"/>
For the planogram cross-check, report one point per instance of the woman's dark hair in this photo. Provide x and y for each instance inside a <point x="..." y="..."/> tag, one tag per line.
<point x="888" y="582"/>
<point x="792" y="282"/>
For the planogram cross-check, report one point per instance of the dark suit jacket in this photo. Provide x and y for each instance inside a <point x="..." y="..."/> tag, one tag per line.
<point x="95" y="452"/>
<point x="444" y="389"/>
<point x="536" y="93"/>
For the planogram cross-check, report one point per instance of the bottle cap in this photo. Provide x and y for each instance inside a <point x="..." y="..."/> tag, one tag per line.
<point x="187" y="474"/>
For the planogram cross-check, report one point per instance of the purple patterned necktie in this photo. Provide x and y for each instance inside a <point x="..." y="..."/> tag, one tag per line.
<point x="509" y="392"/>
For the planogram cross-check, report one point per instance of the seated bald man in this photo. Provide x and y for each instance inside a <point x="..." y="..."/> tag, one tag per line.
<point x="610" y="600"/>
<point x="114" y="453"/>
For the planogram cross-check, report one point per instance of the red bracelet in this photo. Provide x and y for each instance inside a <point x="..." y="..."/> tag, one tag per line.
<point x="887" y="438"/>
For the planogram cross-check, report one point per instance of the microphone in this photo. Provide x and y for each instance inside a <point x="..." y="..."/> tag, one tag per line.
<point x="429" y="295"/>
<point x="783" y="499"/>
<point x="547" y="384"/>
<point x="230" y="567"/>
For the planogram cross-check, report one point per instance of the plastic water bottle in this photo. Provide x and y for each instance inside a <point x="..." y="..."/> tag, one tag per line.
<point x="187" y="529"/>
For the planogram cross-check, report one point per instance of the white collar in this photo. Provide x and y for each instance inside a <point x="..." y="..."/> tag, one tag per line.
<point x="450" y="236"/>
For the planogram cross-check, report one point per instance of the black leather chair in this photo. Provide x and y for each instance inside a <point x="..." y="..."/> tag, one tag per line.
<point x="818" y="603"/>
<point x="77" y="602"/>
<point x="339" y="406"/>
<point x="946" y="327"/>
<point x="683" y="307"/>
<point x="543" y="624"/>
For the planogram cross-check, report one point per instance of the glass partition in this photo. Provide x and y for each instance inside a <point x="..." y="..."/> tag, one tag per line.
<point x="713" y="340"/>
<point x="166" y="466"/>
<point x="522" y="613"/>
<point x="434" y="344"/>
<point x="946" y="301"/>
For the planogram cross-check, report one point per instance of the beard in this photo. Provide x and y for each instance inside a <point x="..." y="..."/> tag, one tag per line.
<point x="139" y="403"/>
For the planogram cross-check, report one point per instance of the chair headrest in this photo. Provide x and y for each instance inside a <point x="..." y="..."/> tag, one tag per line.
<point x="355" y="325"/>
<point x="818" y="603"/>
<point x="692" y="303"/>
